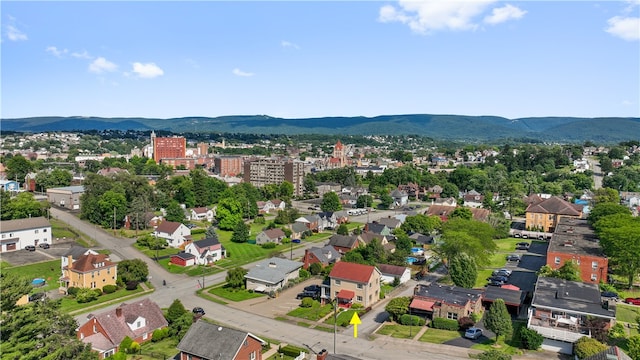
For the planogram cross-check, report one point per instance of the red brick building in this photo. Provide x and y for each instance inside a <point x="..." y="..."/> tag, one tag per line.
<point x="228" y="165"/>
<point x="168" y="147"/>
<point x="574" y="240"/>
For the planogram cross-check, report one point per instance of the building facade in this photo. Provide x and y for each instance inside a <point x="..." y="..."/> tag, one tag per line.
<point x="16" y="234"/>
<point x="168" y="147"/>
<point x="228" y="165"/>
<point x="260" y="172"/>
<point x="66" y="197"/>
<point x="89" y="271"/>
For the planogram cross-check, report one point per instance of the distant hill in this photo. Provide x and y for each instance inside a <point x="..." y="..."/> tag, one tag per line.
<point x="451" y="127"/>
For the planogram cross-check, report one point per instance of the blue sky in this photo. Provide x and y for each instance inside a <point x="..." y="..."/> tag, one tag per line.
<point x="297" y="59"/>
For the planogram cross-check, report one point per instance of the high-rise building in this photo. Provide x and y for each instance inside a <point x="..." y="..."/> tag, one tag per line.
<point x="228" y="165"/>
<point x="260" y="172"/>
<point x="168" y="147"/>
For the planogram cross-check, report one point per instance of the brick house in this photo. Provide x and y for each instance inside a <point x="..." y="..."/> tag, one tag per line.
<point x="574" y="240"/>
<point x="355" y="283"/>
<point x="106" y="330"/>
<point x="343" y="243"/>
<point x="445" y="301"/>
<point x="204" y="341"/>
<point x="90" y="270"/>
<point x="544" y="214"/>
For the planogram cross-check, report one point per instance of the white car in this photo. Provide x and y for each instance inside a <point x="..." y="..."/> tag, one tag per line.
<point x="473" y="333"/>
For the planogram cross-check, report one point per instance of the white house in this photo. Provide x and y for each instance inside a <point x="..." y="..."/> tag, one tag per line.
<point x="390" y="272"/>
<point x="206" y="251"/>
<point x="202" y="214"/>
<point x="272" y="274"/>
<point x="174" y="233"/>
<point x="16" y="234"/>
<point x="400" y="198"/>
<point x="265" y="207"/>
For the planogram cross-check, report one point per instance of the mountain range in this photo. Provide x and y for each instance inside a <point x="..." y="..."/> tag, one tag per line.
<point x="446" y="127"/>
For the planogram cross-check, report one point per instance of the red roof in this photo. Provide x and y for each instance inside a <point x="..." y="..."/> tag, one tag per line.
<point x="352" y="272"/>
<point x="422" y="304"/>
<point x="346" y="294"/>
<point x="510" y="287"/>
<point x="168" y="227"/>
<point x="90" y="262"/>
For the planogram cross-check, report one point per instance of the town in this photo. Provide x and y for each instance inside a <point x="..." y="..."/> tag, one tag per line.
<point x="150" y="245"/>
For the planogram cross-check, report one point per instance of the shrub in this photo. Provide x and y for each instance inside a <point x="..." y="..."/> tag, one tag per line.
<point x="357" y="306"/>
<point x="465" y="322"/>
<point x="307" y="302"/>
<point x="412" y="320"/>
<point x="445" y="324"/>
<point x="118" y="356"/>
<point x="198" y="231"/>
<point x="315" y="268"/>
<point x="109" y="289"/>
<point x="160" y="334"/>
<point x="586" y="346"/>
<point x="85" y="295"/>
<point x="494" y="355"/>
<point x="617" y="332"/>
<point x="98" y="292"/>
<point x="134" y="348"/>
<point x="125" y="344"/>
<point x="476" y="317"/>
<point x="287" y="232"/>
<point x="531" y="339"/>
<point x="268" y="245"/>
<point x="73" y="291"/>
<point x="131" y="285"/>
<point x="290" y="351"/>
<point x="304" y="274"/>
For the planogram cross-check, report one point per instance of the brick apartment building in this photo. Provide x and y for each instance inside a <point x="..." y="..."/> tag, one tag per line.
<point x="228" y="165"/>
<point x="168" y="147"/>
<point x="260" y="172"/>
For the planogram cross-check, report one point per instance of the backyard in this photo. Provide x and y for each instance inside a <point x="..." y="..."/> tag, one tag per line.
<point x="48" y="270"/>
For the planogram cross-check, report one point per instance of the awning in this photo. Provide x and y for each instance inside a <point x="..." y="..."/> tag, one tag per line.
<point x="422" y="304"/>
<point x="346" y="294"/>
<point x="510" y="287"/>
<point x="260" y="288"/>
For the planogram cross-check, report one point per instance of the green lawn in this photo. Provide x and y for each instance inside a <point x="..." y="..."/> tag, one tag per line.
<point x="627" y="313"/>
<point x="343" y="317"/>
<point x="314" y="313"/>
<point x="48" y="270"/>
<point x="163" y="349"/>
<point x="510" y="345"/>
<point x="234" y="295"/>
<point x="438" y="336"/>
<point x="69" y="304"/>
<point x="398" y="331"/>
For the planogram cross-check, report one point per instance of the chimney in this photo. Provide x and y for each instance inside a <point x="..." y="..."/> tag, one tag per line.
<point x="119" y="311"/>
<point x="69" y="261"/>
<point x="322" y="355"/>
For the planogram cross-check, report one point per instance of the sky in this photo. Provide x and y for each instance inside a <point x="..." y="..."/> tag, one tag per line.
<point x="299" y="59"/>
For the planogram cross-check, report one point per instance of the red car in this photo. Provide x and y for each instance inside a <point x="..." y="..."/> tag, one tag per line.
<point x="632" y="301"/>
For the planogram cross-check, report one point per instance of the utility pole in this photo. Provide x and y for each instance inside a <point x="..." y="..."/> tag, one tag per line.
<point x="114" y="221"/>
<point x="335" y="322"/>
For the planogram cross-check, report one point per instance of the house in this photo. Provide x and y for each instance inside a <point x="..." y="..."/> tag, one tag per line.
<point x="272" y="274"/>
<point x="512" y="295"/>
<point x="473" y="199"/>
<point x="391" y="222"/>
<point x="343" y="243"/>
<point x="421" y="239"/>
<point x="377" y="228"/>
<point x="388" y="273"/>
<point x="450" y="201"/>
<point x="325" y="256"/>
<point x="312" y="221"/>
<point x="400" y="198"/>
<point x="413" y="190"/>
<point x="574" y="240"/>
<point x="205" y="341"/>
<point x="367" y="237"/>
<point x="9" y="185"/>
<point x="75" y="252"/>
<point x="323" y="188"/>
<point x="174" y="233"/>
<point x="183" y="259"/>
<point x="544" y="214"/>
<point x="328" y="220"/>
<point x="612" y="353"/>
<point x="93" y="271"/>
<point x="106" y="330"/>
<point x="445" y="301"/>
<point x="112" y="171"/>
<point x="66" y="197"/>
<point x="348" y="201"/>
<point x="30" y="182"/>
<point x="563" y="311"/>
<point x="355" y="283"/>
<point x="18" y="233"/>
<point x="206" y="251"/>
<point x="444" y="211"/>
<point x="270" y="236"/>
<point x="142" y="221"/>
<point x="202" y="214"/>
<point x="297" y="229"/>
<point x="342" y="217"/>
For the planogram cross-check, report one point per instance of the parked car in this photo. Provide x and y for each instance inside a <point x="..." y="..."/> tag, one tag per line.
<point x="507" y="271"/>
<point x="501" y="272"/>
<point x="296" y="241"/>
<point x="473" y="333"/>
<point x="632" y="301"/>
<point x="503" y="279"/>
<point x="191" y="226"/>
<point x="522" y="246"/>
<point x="304" y="294"/>
<point x="198" y="311"/>
<point x="37" y="296"/>
<point x="495" y="283"/>
<point x="44" y="246"/>
<point x="314" y="288"/>
<point x="513" y="257"/>
<point x="609" y="295"/>
<point x="30" y="248"/>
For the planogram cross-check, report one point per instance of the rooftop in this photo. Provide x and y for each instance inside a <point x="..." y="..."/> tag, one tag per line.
<point x="573" y="296"/>
<point x="575" y="236"/>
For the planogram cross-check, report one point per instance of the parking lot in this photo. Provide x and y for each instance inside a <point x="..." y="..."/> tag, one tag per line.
<point x="25" y="257"/>
<point x="524" y="271"/>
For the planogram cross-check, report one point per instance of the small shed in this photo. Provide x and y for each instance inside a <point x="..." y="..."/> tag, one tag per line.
<point x="183" y="259"/>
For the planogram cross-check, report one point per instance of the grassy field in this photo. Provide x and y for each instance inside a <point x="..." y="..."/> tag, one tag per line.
<point x="438" y="336"/>
<point x="627" y="313"/>
<point x="398" y="331"/>
<point x="314" y="313"/>
<point x="48" y="270"/>
<point x="234" y="295"/>
<point x="163" y="349"/>
<point x="510" y="345"/>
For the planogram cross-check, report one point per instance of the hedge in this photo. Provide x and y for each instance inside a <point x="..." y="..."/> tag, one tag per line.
<point x="445" y="324"/>
<point x="109" y="289"/>
<point x="413" y="320"/>
<point x="290" y="351"/>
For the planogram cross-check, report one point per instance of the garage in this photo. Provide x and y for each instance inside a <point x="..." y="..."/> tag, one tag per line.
<point x="557" y="346"/>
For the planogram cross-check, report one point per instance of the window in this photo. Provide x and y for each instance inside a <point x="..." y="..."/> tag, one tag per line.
<point x="36" y="231"/>
<point x="452" y="316"/>
<point x="246" y="343"/>
<point x="145" y="336"/>
<point x="252" y="356"/>
<point x="359" y="286"/>
<point x="359" y="298"/>
<point x="138" y="325"/>
<point x="594" y="277"/>
<point x="594" y="265"/>
<point x="44" y="230"/>
<point x="4" y="236"/>
<point x="577" y="261"/>
<point x="557" y="260"/>
<point x="337" y="282"/>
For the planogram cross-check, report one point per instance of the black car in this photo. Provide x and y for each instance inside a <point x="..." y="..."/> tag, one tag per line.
<point x="30" y="248"/>
<point x="37" y="296"/>
<point x="513" y="257"/>
<point x="610" y="295"/>
<point x="502" y="279"/>
<point x="198" y="311"/>
<point x="501" y="273"/>
<point x="522" y="246"/>
<point x="44" y="246"/>
<point x="304" y="294"/>
<point x="313" y="288"/>
<point x="495" y="283"/>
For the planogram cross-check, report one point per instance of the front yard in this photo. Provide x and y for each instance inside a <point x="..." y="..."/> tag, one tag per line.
<point x="234" y="294"/>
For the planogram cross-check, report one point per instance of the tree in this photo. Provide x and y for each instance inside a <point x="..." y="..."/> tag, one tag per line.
<point x="211" y="233"/>
<point x="18" y="167"/>
<point x="633" y="344"/>
<point x="179" y="327"/>
<point x="605" y="209"/>
<point x="240" y="232"/>
<point x="113" y="207"/>
<point x="22" y="206"/>
<point x="315" y="268"/>
<point x="235" y="277"/>
<point x="330" y="202"/>
<point x="421" y="223"/>
<point x="364" y="201"/>
<point x="570" y="270"/>
<point x="587" y="346"/>
<point x="175" y="311"/>
<point x="397" y="307"/>
<point x="286" y="190"/>
<point x="620" y="239"/>
<point x="54" y="178"/>
<point x="498" y="320"/>
<point x="342" y="230"/>
<point x="463" y="271"/>
<point x="132" y="270"/>
<point x="462" y="213"/>
<point x="403" y="242"/>
<point x="531" y="339"/>
<point x="228" y="213"/>
<point x="175" y="212"/>
<point x="606" y="195"/>
<point x="385" y="201"/>
<point x="13" y="288"/>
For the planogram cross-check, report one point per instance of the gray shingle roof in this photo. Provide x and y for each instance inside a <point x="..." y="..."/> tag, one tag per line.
<point x="612" y="353"/>
<point x="24" y="224"/>
<point x="209" y="341"/>
<point x="273" y="270"/>
<point x="577" y="297"/>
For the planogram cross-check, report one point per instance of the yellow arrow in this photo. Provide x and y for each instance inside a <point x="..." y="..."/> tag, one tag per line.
<point x="355" y="321"/>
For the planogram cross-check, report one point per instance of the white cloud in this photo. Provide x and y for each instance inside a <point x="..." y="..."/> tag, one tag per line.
<point x="147" y="71"/>
<point x="287" y="44"/>
<point x="101" y="65"/>
<point x="505" y="13"/>
<point x="55" y="51"/>
<point x="14" y="34"/>
<point x="627" y="28"/>
<point x="426" y="17"/>
<point x="81" y="55"/>
<point x="239" y="72"/>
